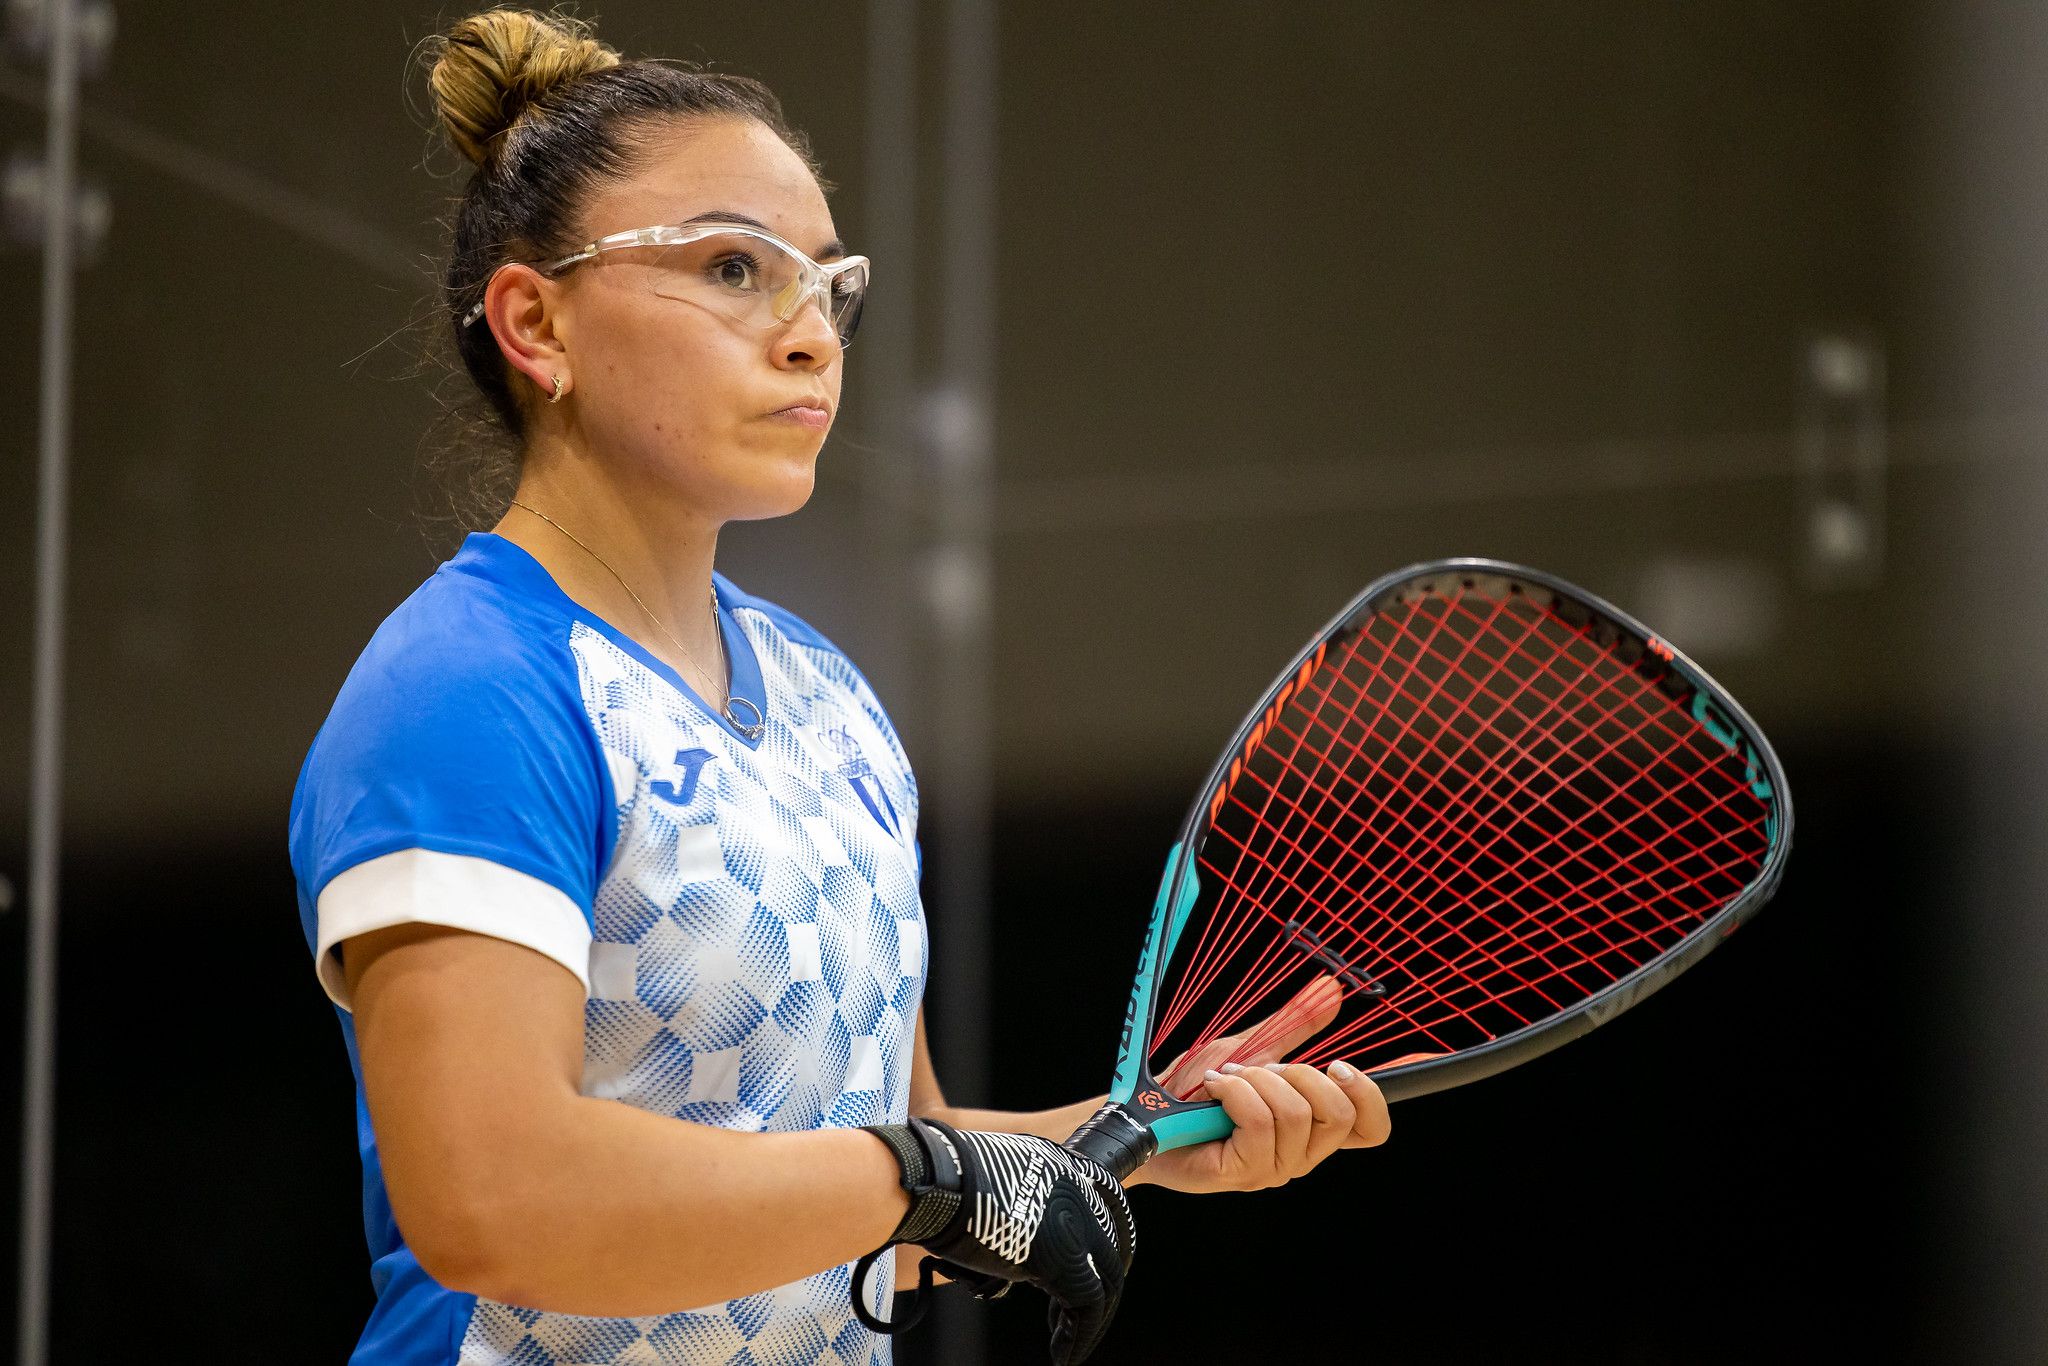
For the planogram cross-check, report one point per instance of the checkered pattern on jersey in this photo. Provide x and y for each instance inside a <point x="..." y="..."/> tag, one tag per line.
<point x="757" y="964"/>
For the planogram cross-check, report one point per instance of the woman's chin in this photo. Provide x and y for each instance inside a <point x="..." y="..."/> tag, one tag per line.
<point x="777" y="497"/>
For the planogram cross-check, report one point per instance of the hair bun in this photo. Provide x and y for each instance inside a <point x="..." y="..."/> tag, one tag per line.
<point x="489" y="67"/>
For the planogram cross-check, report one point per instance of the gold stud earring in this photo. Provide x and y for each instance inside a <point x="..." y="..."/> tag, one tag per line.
<point x="558" y="390"/>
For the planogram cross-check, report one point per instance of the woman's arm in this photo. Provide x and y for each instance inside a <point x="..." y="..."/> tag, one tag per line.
<point x="509" y="1184"/>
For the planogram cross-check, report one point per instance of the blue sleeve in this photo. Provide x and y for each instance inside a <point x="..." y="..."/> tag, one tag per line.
<point x="443" y="741"/>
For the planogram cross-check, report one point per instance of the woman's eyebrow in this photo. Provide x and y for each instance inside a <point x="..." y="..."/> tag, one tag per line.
<point x="835" y="247"/>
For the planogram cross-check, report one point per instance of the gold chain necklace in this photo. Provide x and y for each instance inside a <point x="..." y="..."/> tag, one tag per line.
<point x="752" y="732"/>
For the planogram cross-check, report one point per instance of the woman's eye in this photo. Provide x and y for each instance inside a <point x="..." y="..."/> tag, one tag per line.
<point x="735" y="271"/>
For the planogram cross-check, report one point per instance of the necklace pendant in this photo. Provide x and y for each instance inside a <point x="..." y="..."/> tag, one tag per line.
<point x="754" y="730"/>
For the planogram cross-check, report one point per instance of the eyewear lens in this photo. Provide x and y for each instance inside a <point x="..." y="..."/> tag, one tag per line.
<point x="752" y="280"/>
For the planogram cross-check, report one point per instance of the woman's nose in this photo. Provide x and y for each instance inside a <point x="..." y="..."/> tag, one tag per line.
<point x="808" y="340"/>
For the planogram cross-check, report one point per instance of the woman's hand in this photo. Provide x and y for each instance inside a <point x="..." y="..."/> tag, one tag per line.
<point x="1289" y="1117"/>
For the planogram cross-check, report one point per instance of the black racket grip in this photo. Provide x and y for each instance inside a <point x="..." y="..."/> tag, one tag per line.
<point x="1116" y="1139"/>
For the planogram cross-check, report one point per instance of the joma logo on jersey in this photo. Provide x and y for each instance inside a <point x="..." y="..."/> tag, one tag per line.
<point x="681" y="790"/>
<point x="860" y="775"/>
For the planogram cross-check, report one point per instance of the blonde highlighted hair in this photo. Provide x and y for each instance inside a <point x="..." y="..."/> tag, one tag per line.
<point x="491" y="66"/>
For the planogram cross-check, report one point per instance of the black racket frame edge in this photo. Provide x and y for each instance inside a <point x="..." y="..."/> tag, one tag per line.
<point x="1422" y="1078"/>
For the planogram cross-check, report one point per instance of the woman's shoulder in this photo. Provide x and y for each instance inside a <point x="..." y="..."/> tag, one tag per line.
<point x="460" y="729"/>
<point x="480" y="617"/>
<point x="467" y="649"/>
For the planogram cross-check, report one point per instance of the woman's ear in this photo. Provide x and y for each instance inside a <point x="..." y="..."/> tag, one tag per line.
<point x="523" y="308"/>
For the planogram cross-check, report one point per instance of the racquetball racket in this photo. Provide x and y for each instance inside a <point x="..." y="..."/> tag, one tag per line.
<point x="1494" y="808"/>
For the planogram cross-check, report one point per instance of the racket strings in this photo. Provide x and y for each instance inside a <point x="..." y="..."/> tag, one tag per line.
<point x="1555" y="968"/>
<point x="1428" y="836"/>
<point x="1335" y="797"/>
<point x="1256" y="982"/>
<point x="1566" y="878"/>
<point x="1228" y="931"/>
<point x="1332" y="796"/>
<point x="1474" y="815"/>
<point x="1257" y="978"/>
<point x="1501" y="960"/>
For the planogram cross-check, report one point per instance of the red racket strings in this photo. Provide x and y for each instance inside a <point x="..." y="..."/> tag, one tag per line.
<point x="1472" y="814"/>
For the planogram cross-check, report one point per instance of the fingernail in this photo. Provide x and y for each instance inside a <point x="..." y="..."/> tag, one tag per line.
<point x="1231" y="1069"/>
<point x="1276" y="1067"/>
<point x="1212" y="1075"/>
<point x="1342" y="1071"/>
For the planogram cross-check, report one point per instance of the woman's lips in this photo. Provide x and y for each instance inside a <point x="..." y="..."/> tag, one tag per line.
<point x="803" y="415"/>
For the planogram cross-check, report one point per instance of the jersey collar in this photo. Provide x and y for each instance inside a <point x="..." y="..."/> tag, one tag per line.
<point x="508" y="563"/>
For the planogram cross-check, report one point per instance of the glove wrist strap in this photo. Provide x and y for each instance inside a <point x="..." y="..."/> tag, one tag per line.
<point x="930" y="1172"/>
<point x="929" y="1163"/>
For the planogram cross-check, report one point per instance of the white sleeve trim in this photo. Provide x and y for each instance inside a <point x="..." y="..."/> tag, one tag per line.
<point x="460" y="891"/>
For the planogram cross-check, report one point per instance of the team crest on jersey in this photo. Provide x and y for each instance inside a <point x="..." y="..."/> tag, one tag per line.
<point x="861" y="776"/>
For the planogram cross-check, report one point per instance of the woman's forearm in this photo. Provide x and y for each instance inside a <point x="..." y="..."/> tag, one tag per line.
<point x="1056" y="1124"/>
<point x="609" y="1211"/>
<point x="1053" y="1124"/>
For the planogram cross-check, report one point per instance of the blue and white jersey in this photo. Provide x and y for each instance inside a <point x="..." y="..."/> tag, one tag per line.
<point x="743" y="915"/>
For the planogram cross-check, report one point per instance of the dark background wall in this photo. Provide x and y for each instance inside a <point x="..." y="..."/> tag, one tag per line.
<point x="1289" y="295"/>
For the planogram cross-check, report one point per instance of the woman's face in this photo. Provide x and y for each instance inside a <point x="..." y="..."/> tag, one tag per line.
<point x="676" y="397"/>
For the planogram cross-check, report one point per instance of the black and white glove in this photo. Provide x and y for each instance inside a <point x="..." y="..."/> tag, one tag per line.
<point x="996" y="1208"/>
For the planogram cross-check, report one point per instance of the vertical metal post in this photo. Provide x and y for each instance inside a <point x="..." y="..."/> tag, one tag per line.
<point x="46" y="762"/>
<point x="959" y="420"/>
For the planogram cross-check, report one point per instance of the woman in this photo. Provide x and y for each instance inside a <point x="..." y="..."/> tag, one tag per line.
<point x="610" y="867"/>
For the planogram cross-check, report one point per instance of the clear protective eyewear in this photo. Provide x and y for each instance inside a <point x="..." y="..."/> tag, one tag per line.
<point x="743" y="273"/>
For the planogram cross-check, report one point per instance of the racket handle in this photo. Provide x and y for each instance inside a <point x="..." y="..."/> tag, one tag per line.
<point x="1116" y="1140"/>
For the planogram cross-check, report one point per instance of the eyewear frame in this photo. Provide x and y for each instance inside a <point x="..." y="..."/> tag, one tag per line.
<point x="815" y="279"/>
